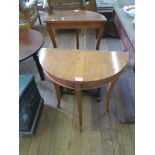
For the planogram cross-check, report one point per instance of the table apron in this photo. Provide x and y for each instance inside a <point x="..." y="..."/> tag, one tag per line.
<point x="83" y="85"/>
<point x="76" y="26"/>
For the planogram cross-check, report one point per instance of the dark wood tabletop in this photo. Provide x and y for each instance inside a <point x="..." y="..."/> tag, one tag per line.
<point x="30" y="41"/>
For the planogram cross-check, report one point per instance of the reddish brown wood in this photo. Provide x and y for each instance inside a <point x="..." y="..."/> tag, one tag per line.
<point x="110" y="89"/>
<point x="50" y="30"/>
<point x="58" y="93"/>
<point x="30" y="42"/>
<point x="99" y="37"/>
<point x="77" y="39"/>
<point x="126" y="41"/>
<point x="77" y="19"/>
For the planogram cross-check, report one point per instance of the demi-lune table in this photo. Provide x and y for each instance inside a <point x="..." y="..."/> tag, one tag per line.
<point x="30" y="42"/>
<point x="76" y="19"/>
<point x="81" y="70"/>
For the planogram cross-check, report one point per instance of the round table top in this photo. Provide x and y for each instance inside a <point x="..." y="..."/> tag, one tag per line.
<point x="76" y="16"/>
<point x="89" y="68"/>
<point x="30" y="41"/>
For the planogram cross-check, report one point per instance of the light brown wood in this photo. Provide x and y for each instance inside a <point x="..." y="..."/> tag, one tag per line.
<point x="58" y="92"/>
<point x="79" y="104"/>
<point x="77" y="19"/>
<point x="75" y="69"/>
<point x="57" y="132"/>
<point x="110" y="89"/>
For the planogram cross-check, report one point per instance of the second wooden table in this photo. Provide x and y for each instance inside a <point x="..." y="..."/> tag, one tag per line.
<point x="76" y="19"/>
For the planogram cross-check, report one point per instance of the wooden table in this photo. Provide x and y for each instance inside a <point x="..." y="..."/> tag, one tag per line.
<point x="30" y="42"/>
<point x="82" y="70"/>
<point x="76" y="19"/>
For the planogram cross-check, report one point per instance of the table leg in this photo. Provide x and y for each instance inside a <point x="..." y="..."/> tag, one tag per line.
<point x="77" y="39"/>
<point x="98" y="94"/>
<point x="50" y="30"/>
<point x="79" y="104"/>
<point x="100" y="34"/>
<point x="35" y="57"/>
<point x="109" y="93"/>
<point x="58" y="93"/>
<point x="39" y="16"/>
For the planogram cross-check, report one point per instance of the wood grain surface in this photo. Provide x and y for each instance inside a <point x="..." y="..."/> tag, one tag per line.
<point x="30" y="41"/>
<point x="69" y="66"/>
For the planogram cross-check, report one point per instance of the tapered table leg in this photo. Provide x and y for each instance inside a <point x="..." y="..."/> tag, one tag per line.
<point x="58" y="93"/>
<point x="40" y="70"/>
<point x="100" y="34"/>
<point x="77" y="39"/>
<point x="109" y="93"/>
<point x="50" y="30"/>
<point x="98" y="94"/>
<point x="79" y="104"/>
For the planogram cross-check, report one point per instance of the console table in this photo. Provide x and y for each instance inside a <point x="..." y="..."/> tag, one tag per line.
<point x="76" y="19"/>
<point x="81" y="70"/>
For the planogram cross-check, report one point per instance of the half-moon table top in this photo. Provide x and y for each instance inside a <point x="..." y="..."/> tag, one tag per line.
<point x="76" y="16"/>
<point x="69" y="66"/>
<point x="30" y="41"/>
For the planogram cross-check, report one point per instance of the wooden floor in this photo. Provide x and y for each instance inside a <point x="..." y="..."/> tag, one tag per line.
<point x="58" y="130"/>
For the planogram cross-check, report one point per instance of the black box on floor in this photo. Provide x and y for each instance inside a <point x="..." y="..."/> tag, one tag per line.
<point x="30" y="105"/>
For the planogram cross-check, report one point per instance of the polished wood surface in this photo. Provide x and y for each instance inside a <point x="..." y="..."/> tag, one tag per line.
<point x="67" y="65"/>
<point x="30" y="41"/>
<point x="77" y="19"/>
<point x="58" y="131"/>
<point x="81" y="70"/>
<point x="76" y="16"/>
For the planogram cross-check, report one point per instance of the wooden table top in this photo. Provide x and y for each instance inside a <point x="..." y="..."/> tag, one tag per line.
<point x="76" y="16"/>
<point x="30" y="41"/>
<point x="71" y="65"/>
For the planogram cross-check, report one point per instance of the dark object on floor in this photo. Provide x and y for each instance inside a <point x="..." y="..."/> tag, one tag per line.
<point x="110" y="28"/>
<point x="30" y="105"/>
<point x="128" y="120"/>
